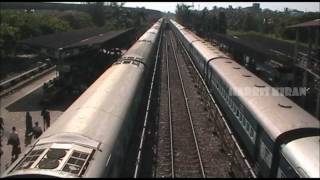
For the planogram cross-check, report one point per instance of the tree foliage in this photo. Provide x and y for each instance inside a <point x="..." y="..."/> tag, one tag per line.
<point x="184" y="14"/>
<point x="119" y="18"/>
<point x="76" y="20"/>
<point x="218" y="20"/>
<point x="222" y="24"/>
<point x="97" y="12"/>
<point x="203" y="22"/>
<point x="17" y="25"/>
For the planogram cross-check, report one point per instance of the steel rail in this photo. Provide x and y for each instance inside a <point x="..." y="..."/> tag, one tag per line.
<point x="188" y="109"/>
<point x="169" y="112"/>
<point x="138" y="161"/>
<point x="220" y="113"/>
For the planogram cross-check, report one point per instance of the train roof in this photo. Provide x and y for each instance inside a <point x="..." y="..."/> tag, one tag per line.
<point x="149" y="36"/>
<point x="304" y="155"/>
<point x="53" y="159"/>
<point x="188" y="36"/>
<point x="141" y="49"/>
<point x="76" y="129"/>
<point x="207" y="50"/>
<point x="81" y="141"/>
<point x="277" y="114"/>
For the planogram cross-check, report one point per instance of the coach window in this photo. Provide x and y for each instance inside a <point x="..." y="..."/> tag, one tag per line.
<point x="267" y="157"/>
<point x="30" y="159"/>
<point x="135" y="63"/>
<point x="238" y="113"/>
<point x="225" y="94"/>
<point x="234" y="107"/>
<point x="243" y="118"/>
<point x="227" y="99"/>
<point x="231" y="100"/>
<point x="248" y="126"/>
<point x="244" y="123"/>
<point x="197" y="55"/>
<point x="252" y="132"/>
<point x="227" y="91"/>
<point x="231" y="105"/>
<point x="126" y="62"/>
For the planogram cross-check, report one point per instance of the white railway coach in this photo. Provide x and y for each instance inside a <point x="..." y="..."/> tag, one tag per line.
<point x="90" y="138"/>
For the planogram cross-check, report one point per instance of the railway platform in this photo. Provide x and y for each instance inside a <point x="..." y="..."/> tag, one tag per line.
<point x="13" y="108"/>
<point x="72" y="54"/>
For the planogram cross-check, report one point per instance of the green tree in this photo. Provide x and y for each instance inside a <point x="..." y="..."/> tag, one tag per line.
<point x="97" y="12"/>
<point x="249" y="23"/>
<point x="213" y="24"/>
<point x="8" y="38"/>
<point x="50" y="25"/>
<point x="184" y="14"/>
<point x="76" y="20"/>
<point x="204" y="26"/>
<point x="222" y="23"/>
<point x="17" y="25"/>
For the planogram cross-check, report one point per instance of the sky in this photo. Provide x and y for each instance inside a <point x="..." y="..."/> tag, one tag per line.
<point x="171" y="6"/>
<point x="279" y="6"/>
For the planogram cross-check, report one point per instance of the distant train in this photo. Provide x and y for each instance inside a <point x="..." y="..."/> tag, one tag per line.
<point x="281" y="139"/>
<point x="90" y="139"/>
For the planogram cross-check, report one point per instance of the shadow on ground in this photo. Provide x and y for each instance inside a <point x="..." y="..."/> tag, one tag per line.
<point x="31" y="102"/>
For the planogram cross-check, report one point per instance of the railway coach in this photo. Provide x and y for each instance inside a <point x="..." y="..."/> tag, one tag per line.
<point x="90" y="139"/>
<point x="280" y="138"/>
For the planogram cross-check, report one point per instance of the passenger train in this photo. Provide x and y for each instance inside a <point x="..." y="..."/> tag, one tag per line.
<point x="282" y="140"/>
<point x="90" y="139"/>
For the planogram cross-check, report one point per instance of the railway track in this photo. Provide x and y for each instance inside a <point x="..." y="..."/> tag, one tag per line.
<point x="142" y="150"/>
<point x="189" y="144"/>
<point x="185" y="161"/>
<point x="181" y="160"/>
<point x="239" y="165"/>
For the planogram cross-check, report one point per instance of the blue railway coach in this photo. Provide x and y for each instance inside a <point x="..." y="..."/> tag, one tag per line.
<point x="281" y="139"/>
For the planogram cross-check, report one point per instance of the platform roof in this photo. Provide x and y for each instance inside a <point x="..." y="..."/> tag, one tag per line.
<point x="73" y="39"/>
<point x="313" y="23"/>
